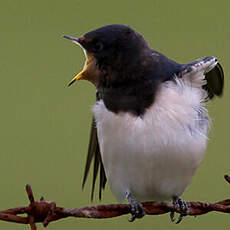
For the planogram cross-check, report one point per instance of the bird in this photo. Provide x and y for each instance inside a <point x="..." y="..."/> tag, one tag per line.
<point x="150" y="122"/>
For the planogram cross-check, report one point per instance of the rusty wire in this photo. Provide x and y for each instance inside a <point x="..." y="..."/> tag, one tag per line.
<point x="44" y="211"/>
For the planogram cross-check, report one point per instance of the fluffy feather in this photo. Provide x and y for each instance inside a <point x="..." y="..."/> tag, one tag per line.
<point x="154" y="157"/>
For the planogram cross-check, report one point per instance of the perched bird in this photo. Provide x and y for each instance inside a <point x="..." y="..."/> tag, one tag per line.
<point x="150" y="124"/>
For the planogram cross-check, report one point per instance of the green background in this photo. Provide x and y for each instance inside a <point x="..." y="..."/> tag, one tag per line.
<point x="45" y="125"/>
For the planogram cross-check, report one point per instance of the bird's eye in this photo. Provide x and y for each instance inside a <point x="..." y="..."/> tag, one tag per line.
<point x="97" y="47"/>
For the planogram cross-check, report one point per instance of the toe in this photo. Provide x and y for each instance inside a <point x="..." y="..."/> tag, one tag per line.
<point x="181" y="206"/>
<point x="172" y="216"/>
<point x="137" y="211"/>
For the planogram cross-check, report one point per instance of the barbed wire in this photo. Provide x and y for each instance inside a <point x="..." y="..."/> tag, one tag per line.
<point x="45" y="212"/>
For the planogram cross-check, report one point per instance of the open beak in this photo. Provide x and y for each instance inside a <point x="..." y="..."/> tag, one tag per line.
<point x="77" y="41"/>
<point x="90" y="70"/>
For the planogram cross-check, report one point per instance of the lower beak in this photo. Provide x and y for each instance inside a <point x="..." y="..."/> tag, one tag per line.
<point x="77" y="77"/>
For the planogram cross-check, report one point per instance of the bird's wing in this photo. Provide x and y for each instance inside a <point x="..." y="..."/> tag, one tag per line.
<point x="215" y="81"/>
<point x="213" y="72"/>
<point x="94" y="154"/>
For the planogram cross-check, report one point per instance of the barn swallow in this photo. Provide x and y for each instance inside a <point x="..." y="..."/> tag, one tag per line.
<point x="150" y="123"/>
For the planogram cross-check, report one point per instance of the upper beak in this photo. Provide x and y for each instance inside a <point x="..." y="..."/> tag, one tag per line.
<point x="78" y="42"/>
<point x="75" y="40"/>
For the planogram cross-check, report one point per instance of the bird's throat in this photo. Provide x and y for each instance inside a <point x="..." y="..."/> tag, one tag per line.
<point x="90" y="71"/>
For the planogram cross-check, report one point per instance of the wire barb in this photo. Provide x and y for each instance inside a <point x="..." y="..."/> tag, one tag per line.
<point x="44" y="211"/>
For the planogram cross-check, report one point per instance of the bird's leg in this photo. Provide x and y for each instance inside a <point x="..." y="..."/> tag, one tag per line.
<point x="181" y="206"/>
<point x="137" y="210"/>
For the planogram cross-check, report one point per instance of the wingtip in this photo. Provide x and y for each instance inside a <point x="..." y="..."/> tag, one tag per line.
<point x="92" y="195"/>
<point x="82" y="186"/>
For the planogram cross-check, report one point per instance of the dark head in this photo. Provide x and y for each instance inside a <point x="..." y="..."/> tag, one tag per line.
<point x="113" y="52"/>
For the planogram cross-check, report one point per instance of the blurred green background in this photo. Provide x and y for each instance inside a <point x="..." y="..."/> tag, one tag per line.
<point x="45" y="125"/>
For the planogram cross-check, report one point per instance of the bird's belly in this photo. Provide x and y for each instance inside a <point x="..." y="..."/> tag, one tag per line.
<point x="148" y="172"/>
<point x="150" y="158"/>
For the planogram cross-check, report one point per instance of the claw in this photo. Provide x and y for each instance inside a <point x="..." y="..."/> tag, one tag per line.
<point x="172" y="216"/>
<point x="137" y="210"/>
<point x="180" y="218"/>
<point x="181" y="206"/>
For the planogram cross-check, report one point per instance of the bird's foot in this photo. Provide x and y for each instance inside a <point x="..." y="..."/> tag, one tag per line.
<point x="181" y="206"/>
<point x="137" y="210"/>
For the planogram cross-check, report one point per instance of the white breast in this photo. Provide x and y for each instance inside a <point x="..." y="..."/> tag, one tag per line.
<point x="155" y="157"/>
